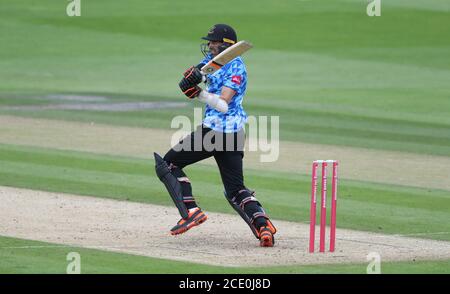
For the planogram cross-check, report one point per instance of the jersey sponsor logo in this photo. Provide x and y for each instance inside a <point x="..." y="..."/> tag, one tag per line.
<point x="236" y="79"/>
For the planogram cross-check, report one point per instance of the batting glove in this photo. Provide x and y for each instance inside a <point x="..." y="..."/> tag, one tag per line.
<point x="191" y="91"/>
<point x="193" y="75"/>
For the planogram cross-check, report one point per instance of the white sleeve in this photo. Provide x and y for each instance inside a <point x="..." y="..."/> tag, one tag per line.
<point x="214" y="101"/>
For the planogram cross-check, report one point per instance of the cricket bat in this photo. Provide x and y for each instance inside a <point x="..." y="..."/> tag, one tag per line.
<point x="226" y="56"/>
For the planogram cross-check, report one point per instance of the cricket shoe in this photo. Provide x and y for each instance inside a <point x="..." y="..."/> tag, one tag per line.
<point x="266" y="235"/>
<point x="194" y="218"/>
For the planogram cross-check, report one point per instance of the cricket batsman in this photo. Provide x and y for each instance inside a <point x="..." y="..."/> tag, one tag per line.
<point x="221" y="135"/>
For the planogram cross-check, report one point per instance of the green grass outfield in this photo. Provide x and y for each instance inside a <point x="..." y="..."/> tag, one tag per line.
<point x="332" y="74"/>
<point x="25" y="256"/>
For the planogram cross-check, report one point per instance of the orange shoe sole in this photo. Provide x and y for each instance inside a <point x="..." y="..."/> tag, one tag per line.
<point x="190" y="225"/>
<point x="266" y="240"/>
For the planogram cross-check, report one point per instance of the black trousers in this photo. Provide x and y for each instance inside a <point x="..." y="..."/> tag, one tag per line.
<point x="227" y="149"/>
